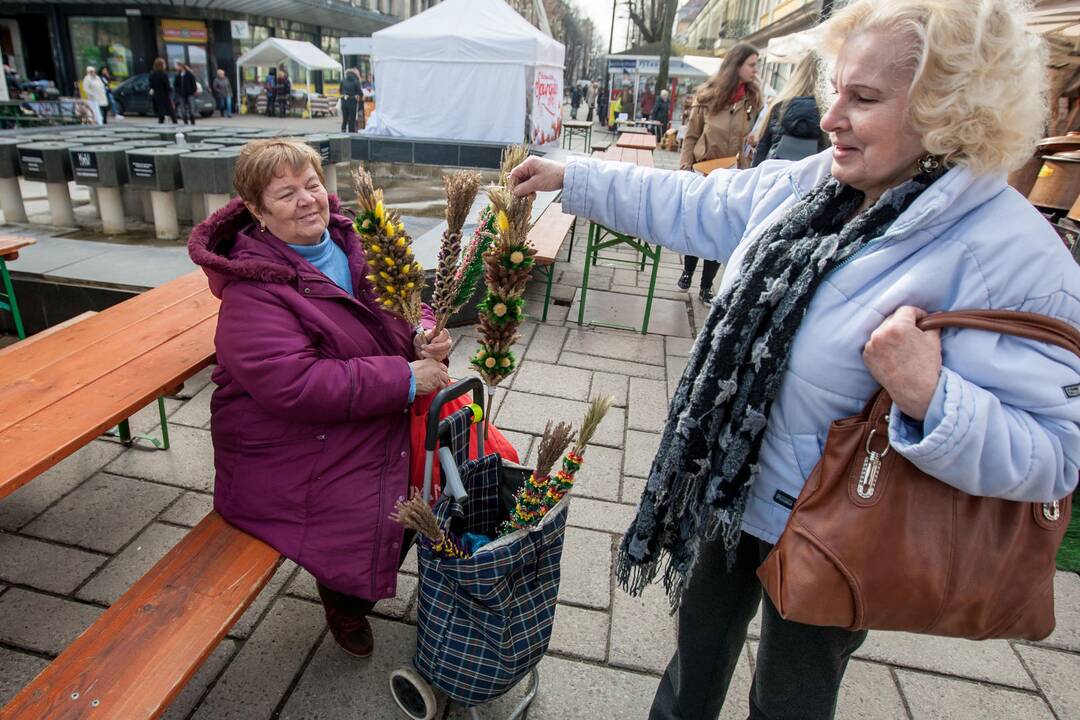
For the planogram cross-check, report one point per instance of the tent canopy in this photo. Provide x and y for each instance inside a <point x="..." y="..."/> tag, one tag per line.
<point x="473" y="31"/>
<point x="274" y="51"/>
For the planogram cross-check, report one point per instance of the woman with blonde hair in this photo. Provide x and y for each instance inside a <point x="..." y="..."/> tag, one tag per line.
<point x="309" y="421"/>
<point x="793" y="129"/>
<point x="724" y="110"/>
<point x="830" y="263"/>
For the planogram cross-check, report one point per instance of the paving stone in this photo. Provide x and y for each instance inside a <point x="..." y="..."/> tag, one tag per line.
<point x="580" y="633"/>
<point x="931" y="697"/>
<point x="16" y="670"/>
<point x="104" y="513"/>
<point x="196" y="411"/>
<point x="553" y="380"/>
<point x="675" y="367"/>
<point x="1058" y="676"/>
<point x="398" y="606"/>
<point x="189" y="510"/>
<point x="43" y="565"/>
<point x="639" y="453"/>
<point x="586" y="569"/>
<point x="988" y="660"/>
<point x="148" y="418"/>
<point x="583" y="692"/>
<point x="546" y="344"/>
<point x="257" y="680"/>
<point x="680" y="347"/>
<point x="131" y="564"/>
<point x="636" y="348"/>
<point x="1066" y="611"/>
<point x="522" y="442"/>
<point x="195" y="688"/>
<point x="337" y="686"/>
<point x="194" y="384"/>
<point x="246" y="624"/>
<point x="529" y="413"/>
<point x="605" y="383"/>
<point x="43" y="623"/>
<point x="31" y="499"/>
<point x="667" y="317"/>
<point x="643" y="634"/>
<point x="598" y="515"/>
<point x="459" y="361"/>
<point x="563" y="293"/>
<point x="409" y="566"/>
<point x="648" y="405"/>
<point x="599" y="476"/>
<point x="623" y="276"/>
<point x="189" y="463"/>
<point x="556" y="313"/>
<point x="611" y="365"/>
<point x="303" y="585"/>
<point x="642" y="288"/>
<point x="868" y="691"/>
<point x="632" y="488"/>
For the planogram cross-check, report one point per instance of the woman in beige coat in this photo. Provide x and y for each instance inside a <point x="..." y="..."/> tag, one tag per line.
<point x="723" y="113"/>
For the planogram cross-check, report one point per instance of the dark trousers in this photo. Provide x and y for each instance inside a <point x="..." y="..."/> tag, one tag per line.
<point x="186" y="104"/>
<point x="348" y="113"/>
<point x="223" y="105"/>
<point x="799" y="667"/>
<point x="708" y="273"/>
<point x="104" y="114"/>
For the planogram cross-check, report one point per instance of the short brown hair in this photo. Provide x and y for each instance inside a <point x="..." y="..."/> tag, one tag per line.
<point x="159" y="64"/>
<point x="262" y="160"/>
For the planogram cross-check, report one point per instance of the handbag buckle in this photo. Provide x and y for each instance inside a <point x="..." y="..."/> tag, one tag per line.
<point x="868" y="477"/>
<point x="1052" y="510"/>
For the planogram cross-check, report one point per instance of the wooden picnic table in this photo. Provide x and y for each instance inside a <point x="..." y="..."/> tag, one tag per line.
<point x="64" y="390"/>
<point x="602" y="237"/>
<point x="10" y="245"/>
<point x="582" y="128"/>
<point x="637" y="141"/>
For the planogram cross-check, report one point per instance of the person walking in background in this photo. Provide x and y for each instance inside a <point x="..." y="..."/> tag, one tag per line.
<point x="603" y="100"/>
<point x="222" y="92"/>
<point x="575" y="101"/>
<point x="648" y="102"/>
<point x="161" y="92"/>
<point x="590" y="100"/>
<point x="614" y="110"/>
<point x="793" y="129"/>
<point x="351" y="92"/>
<point x="185" y="86"/>
<point x="283" y="92"/>
<point x="661" y="113"/>
<point x="106" y="77"/>
<point x="724" y="110"/>
<point x="270" y="88"/>
<point x="95" y="92"/>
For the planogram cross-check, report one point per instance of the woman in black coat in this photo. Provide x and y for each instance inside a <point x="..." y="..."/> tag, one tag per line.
<point x="351" y="91"/>
<point x="161" y="92"/>
<point x="793" y="128"/>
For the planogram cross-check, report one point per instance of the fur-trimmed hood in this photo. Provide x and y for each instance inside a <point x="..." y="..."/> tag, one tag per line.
<point x="229" y="246"/>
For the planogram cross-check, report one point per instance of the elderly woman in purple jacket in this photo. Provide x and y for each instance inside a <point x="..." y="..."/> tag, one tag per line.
<point x="309" y="420"/>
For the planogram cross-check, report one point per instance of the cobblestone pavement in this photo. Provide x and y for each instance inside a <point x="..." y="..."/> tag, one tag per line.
<point x="72" y="540"/>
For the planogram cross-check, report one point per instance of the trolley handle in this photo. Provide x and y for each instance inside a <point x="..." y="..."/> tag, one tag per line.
<point x="448" y="393"/>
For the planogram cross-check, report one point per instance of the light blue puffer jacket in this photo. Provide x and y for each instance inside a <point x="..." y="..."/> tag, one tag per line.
<point x="1002" y="422"/>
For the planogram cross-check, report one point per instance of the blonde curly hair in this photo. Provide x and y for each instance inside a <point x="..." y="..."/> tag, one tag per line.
<point x="979" y="93"/>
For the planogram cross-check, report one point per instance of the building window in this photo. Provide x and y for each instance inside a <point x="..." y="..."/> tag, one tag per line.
<point x="101" y="41"/>
<point x="257" y="34"/>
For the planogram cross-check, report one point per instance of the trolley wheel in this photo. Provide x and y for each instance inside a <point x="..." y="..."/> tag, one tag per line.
<point x="413" y="695"/>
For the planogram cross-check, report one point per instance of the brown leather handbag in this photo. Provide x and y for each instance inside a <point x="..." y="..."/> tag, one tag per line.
<point x="874" y="543"/>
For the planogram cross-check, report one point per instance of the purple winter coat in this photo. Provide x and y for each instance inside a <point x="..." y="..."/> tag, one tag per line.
<point x="309" y="421"/>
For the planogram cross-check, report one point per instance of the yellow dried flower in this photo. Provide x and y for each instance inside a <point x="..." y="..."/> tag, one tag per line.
<point x="390" y="289"/>
<point x="410" y="285"/>
<point x="489" y="363"/>
<point x="401" y="240"/>
<point x="383" y="274"/>
<point x="376" y="249"/>
<point x="389" y="261"/>
<point x="499" y="309"/>
<point x="517" y="257"/>
<point x="503" y="221"/>
<point x="390" y="230"/>
<point x="505" y="362"/>
<point x="380" y="211"/>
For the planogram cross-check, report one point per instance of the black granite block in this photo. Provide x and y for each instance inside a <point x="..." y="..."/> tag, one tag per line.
<point x="435" y="153"/>
<point x="390" y="150"/>
<point x="480" y="156"/>
<point x="360" y="148"/>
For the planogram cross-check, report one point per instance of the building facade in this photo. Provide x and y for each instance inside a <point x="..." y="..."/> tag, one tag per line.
<point x="56" y="41"/>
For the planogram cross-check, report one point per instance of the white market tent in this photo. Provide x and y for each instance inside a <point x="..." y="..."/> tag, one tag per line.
<point x="464" y="70"/>
<point x="275" y="51"/>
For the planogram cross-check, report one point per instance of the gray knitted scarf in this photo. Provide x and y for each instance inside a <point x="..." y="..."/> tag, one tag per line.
<point x="708" y="455"/>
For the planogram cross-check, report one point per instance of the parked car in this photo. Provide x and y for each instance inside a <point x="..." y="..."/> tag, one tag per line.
<point x="133" y="95"/>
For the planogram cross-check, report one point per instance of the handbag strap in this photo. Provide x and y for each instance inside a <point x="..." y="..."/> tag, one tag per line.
<point x="1009" y="322"/>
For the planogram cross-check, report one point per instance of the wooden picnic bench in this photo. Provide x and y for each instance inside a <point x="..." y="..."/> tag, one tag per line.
<point x="637" y="141"/>
<point x="10" y="245"/>
<point x="547" y="236"/>
<point x="62" y="389"/>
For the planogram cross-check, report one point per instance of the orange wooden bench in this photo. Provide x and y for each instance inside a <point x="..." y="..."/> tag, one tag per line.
<point x="62" y="389"/>
<point x="547" y="236"/>
<point x="140" y="653"/>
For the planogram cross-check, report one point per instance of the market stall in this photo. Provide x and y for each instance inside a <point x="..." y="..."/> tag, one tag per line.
<point x="468" y="70"/>
<point x="634" y="77"/>
<point x="273" y="52"/>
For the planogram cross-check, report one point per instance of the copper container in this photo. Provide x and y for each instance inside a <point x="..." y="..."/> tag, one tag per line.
<point x="1058" y="184"/>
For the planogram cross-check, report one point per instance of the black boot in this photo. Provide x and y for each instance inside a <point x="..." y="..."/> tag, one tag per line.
<point x="706" y="295"/>
<point x="347" y="617"/>
<point x="685" y="279"/>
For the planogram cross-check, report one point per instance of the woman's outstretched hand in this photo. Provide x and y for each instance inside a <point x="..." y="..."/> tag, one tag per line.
<point x="537" y="175"/>
<point x="905" y="360"/>
<point x="431" y="376"/>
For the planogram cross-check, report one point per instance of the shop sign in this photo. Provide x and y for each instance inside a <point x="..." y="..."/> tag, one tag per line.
<point x="33" y="162"/>
<point x="184" y="31"/>
<point x="546" y="120"/>
<point x="86" y="166"/>
<point x="239" y="29"/>
<point x="621" y="65"/>
<point x="142" y="169"/>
